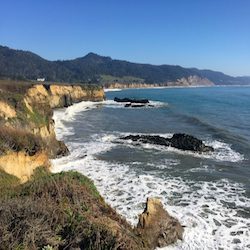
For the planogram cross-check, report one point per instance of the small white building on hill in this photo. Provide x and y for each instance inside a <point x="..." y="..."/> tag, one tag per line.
<point x="40" y="79"/>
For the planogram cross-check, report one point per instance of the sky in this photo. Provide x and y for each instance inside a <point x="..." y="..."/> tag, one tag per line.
<point x="206" y="34"/>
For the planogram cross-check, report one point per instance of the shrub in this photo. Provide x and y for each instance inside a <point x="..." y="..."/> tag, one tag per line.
<point x="7" y="184"/>
<point x="19" y="140"/>
<point x="62" y="211"/>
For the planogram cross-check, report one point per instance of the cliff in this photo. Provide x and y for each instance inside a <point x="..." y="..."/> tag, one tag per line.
<point x="27" y="136"/>
<point x="121" y="85"/>
<point x="41" y="210"/>
<point x="190" y="81"/>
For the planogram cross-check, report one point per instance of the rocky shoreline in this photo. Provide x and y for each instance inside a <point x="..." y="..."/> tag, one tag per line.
<point x="179" y="141"/>
<point x="27" y="143"/>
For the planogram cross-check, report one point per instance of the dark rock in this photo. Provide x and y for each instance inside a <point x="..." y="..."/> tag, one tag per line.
<point x="67" y="101"/>
<point x="188" y="142"/>
<point x="236" y="241"/>
<point x="116" y="99"/>
<point x="151" y="139"/>
<point x="179" y="141"/>
<point x="61" y="149"/>
<point x="157" y="226"/>
<point x="137" y="105"/>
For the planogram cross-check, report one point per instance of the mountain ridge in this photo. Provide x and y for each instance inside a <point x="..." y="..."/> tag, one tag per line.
<point x="94" y="68"/>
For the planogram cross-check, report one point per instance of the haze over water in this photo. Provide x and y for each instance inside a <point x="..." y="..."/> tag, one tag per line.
<point x="209" y="193"/>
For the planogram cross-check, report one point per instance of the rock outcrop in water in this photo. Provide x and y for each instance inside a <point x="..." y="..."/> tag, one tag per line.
<point x="116" y="99"/>
<point x="157" y="226"/>
<point x="137" y="105"/>
<point x="179" y="141"/>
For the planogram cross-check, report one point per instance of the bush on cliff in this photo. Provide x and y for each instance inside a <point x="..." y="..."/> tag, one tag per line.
<point x="7" y="184"/>
<point x="64" y="211"/>
<point x="19" y="140"/>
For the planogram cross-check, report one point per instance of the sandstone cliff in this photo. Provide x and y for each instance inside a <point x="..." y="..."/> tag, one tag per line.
<point x="27" y="136"/>
<point x="120" y="85"/>
<point x="64" y="210"/>
<point x="190" y="81"/>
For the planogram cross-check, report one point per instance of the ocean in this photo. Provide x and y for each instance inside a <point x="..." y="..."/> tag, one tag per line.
<point x="209" y="193"/>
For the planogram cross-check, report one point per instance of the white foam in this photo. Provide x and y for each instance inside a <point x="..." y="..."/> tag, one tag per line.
<point x="201" y="206"/>
<point x="63" y="115"/>
<point x="158" y="104"/>
<point x="222" y="151"/>
<point x="112" y="90"/>
<point x="70" y="112"/>
<point x="126" y="191"/>
<point x="151" y="104"/>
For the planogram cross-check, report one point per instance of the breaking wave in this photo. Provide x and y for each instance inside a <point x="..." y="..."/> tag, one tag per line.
<point x="215" y="214"/>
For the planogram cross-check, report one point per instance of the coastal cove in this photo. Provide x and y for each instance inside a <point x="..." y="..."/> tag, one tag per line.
<point x="70" y="209"/>
<point x="209" y="193"/>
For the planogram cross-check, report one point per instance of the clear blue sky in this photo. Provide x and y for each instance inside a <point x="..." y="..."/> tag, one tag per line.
<point x="213" y="34"/>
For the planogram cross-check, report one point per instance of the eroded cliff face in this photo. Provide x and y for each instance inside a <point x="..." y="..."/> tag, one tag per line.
<point x="22" y="165"/>
<point x="190" y="81"/>
<point x="6" y="111"/>
<point x="58" y="96"/>
<point x="131" y="85"/>
<point x="29" y="115"/>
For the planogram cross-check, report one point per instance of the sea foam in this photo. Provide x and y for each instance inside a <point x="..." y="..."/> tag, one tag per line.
<point x="210" y="211"/>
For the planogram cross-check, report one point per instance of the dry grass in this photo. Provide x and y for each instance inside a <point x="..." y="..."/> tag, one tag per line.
<point x="14" y="86"/>
<point x="7" y="183"/>
<point x="16" y="140"/>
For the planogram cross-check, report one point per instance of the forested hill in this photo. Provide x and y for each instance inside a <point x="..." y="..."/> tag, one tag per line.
<point x="93" y="68"/>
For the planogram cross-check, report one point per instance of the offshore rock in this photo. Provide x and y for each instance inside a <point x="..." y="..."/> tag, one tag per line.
<point x="188" y="142"/>
<point x="157" y="226"/>
<point x="179" y="141"/>
<point x="116" y="99"/>
<point x="127" y="105"/>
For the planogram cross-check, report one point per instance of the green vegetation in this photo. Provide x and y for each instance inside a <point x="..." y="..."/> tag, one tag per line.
<point x="37" y="117"/>
<point x="61" y="211"/>
<point x="12" y="92"/>
<point x="93" y="68"/>
<point x="16" y="136"/>
<point x="7" y="184"/>
<point x="108" y="79"/>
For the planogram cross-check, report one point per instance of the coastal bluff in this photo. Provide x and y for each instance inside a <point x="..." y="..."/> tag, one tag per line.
<point x="27" y="135"/>
<point x="63" y="210"/>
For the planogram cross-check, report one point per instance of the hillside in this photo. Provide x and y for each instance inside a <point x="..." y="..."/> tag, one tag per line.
<point x="93" y="68"/>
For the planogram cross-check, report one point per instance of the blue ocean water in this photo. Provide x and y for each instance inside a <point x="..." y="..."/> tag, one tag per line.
<point x="209" y="193"/>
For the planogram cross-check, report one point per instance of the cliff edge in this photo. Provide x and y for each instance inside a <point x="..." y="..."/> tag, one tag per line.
<point x="27" y="136"/>
<point x="41" y="210"/>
